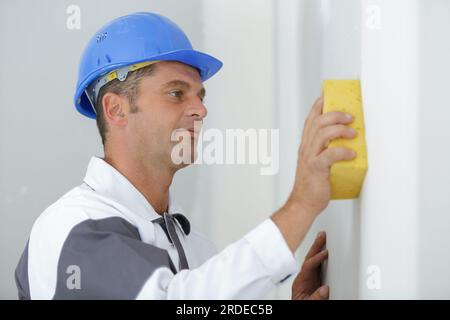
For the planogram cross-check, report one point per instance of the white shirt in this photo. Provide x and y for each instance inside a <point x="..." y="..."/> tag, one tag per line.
<point x="100" y="241"/>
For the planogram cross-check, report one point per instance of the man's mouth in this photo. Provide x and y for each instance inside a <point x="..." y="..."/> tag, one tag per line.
<point x="194" y="134"/>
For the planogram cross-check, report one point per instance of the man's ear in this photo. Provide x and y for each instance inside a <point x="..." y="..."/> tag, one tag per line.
<point x="115" y="109"/>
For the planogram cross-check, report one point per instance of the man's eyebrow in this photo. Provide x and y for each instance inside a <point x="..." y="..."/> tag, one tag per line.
<point x="181" y="83"/>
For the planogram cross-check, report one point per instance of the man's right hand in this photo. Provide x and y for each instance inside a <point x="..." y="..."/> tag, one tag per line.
<point x="311" y="192"/>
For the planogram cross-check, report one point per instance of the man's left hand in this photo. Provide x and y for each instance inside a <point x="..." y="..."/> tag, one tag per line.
<point x="307" y="284"/>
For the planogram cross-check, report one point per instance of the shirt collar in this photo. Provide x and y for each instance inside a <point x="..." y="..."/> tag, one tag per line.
<point x="107" y="181"/>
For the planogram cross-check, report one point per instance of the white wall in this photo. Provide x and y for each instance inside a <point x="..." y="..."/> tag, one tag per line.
<point x="390" y="198"/>
<point x="434" y="150"/>
<point x="397" y="230"/>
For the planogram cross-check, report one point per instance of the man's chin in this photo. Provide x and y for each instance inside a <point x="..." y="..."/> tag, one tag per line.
<point x="185" y="164"/>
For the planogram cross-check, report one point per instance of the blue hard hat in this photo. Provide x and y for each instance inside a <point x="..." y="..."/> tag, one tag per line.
<point x="130" y="40"/>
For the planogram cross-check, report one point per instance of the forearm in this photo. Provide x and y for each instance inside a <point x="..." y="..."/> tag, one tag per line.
<point x="294" y="221"/>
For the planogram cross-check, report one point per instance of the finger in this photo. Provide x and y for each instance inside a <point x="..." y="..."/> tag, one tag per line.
<point x="322" y="293"/>
<point x="315" y="261"/>
<point x="326" y="134"/>
<point x="332" y="155"/>
<point x="317" y="106"/>
<point x="329" y="119"/>
<point x="334" y="117"/>
<point x="316" y="111"/>
<point x="317" y="246"/>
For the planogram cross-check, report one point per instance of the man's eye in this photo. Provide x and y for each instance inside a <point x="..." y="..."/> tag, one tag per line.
<point x="176" y="93"/>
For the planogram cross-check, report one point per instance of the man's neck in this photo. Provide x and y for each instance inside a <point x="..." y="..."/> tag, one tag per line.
<point x="151" y="181"/>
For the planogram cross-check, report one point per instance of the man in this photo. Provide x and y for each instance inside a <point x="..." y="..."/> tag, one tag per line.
<point x="119" y="234"/>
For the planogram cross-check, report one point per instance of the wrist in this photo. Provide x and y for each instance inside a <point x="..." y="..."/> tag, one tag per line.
<point x="298" y="207"/>
<point x="294" y="221"/>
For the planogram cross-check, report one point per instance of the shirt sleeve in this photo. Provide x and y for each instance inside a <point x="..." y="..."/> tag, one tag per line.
<point x="246" y="269"/>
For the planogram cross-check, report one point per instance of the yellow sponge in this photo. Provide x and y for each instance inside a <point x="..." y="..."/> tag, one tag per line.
<point x="347" y="177"/>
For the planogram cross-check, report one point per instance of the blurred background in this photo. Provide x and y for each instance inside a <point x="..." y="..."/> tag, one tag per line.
<point x="392" y="242"/>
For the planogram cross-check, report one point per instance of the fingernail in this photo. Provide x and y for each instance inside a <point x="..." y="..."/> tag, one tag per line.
<point x="321" y="233"/>
<point x="353" y="153"/>
<point x="323" y="291"/>
<point x="353" y="131"/>
<point x="349" y="116"/>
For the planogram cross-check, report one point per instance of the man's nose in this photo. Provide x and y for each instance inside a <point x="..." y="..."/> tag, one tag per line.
<point x="197" y="109"/>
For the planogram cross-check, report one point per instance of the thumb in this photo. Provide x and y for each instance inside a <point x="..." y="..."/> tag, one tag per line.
<point x="321" y="293"/>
